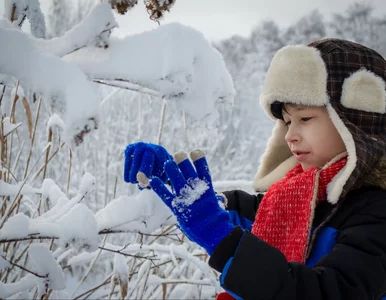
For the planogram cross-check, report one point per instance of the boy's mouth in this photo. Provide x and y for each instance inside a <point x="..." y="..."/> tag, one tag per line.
<point x="300" y="155"/>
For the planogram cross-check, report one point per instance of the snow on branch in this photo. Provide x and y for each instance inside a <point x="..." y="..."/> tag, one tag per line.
<point x="17" y="11"/>
<point x="44" y="273"/>
<point x="172" y="250"/>
<point x="63" y="84"/>
<point x="173" y="61"/>
<point x="93" y="30"/>
<point x="61" y="222"/>
<point x="140" y="213"/>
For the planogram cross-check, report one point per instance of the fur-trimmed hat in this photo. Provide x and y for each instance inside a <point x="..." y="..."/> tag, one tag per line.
<point x="349" y="80"/>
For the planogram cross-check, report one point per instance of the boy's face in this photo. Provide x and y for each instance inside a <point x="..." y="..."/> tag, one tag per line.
<point x="311" y="136"/>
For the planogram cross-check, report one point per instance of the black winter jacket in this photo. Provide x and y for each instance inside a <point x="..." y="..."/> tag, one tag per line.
<point x="346" y="256"/>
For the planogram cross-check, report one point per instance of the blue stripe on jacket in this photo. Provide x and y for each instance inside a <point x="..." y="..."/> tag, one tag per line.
<point x="324" y="244"/>
<point x="237" y="220"/>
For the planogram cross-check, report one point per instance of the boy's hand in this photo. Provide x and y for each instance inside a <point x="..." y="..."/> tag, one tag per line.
<point x="144" y="161"/>
<point x="193" y="201"/>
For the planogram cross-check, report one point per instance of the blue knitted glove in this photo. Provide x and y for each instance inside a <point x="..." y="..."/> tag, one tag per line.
<point x="193" y="201"/>
<point x="144" y="161"/>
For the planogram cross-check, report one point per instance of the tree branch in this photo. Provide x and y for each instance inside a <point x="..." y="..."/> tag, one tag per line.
<point x="25" y="269"/>
<point x="127" y="85"/>
<point x="38" y="237"/>
<point x="130" y="255"/>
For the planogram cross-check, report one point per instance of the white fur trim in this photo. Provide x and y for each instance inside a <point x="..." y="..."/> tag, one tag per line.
<point x="272" y="166"/>
<point x="364" y="90"/>
<point x="298" y="75"/>
<point x="335" y="187"/>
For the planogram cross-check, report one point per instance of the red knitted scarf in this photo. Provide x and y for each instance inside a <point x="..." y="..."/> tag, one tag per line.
<point x="285" y="215"/>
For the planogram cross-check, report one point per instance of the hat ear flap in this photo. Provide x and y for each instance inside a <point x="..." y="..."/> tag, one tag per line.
<point x="364" y="90"/>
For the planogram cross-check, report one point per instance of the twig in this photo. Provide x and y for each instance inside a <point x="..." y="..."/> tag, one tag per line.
<point x="51" y="157"/>
<point x="69" y="171"/>
<point x="9" y="171"/>
<point x="126" y="254"/>
<point x="16" y="261"/>
<point x="2" y="94"/>
<point x="91" y="291"/>
<point x="2" y="241"/>
<point x="24" y="269"/>
<point x="33" y="137"/>
<point x="10" y="208"/>
<point x="107" y="280"/>
<point x="161" y="123"/>
<point x="90" y="268"/>
<point x="129" y="86"/>
<point x="111" y="231"/>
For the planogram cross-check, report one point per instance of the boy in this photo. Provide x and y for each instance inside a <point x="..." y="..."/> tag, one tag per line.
<point x="319" y="231"/>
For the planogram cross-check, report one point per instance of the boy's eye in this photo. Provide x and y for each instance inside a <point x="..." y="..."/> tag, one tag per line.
<point x="288" y="123"/>
<point x="305" y="119"/>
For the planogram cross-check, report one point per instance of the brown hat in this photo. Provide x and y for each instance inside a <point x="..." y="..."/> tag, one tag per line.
<point x="349" y="80"/>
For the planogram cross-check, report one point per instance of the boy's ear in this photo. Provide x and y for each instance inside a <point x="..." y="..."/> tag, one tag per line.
<point x="364" y="90"/>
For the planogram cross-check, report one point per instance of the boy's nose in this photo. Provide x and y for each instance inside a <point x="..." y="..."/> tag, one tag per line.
<point x="292" y="136"/>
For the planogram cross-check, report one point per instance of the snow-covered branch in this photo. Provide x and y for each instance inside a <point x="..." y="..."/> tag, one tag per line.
<point x="93" y="30"/>
<point x="63" y="84"/>
<point x="174" y="62"/>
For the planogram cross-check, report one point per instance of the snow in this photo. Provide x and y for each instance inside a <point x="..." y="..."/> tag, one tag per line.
<point x="174" y="61"/>
<point x="36" y="19"/>
<point x="55" y="121"/>
<point x="121" y="272"/>
<point x="45" y="264"/>
<point x="25" y="283"/>
<point x="52" y="192"/>
<point x="189" y="194"/>
<point x="62" y="221"/>
<point x="8" y="127"/>
<point x="179" y="251"/>
<point x="144" y="212"/>
<point x="63" y="84"/>
<point x="4" y="264"/>
<point x="16" y="227"/>
<point x="20" y="8"/>
<point x="7" y="189"/>
<point x="66" y="228"/>
<point x="120" y="267"/>
<point x="63" y="204"/>
<point x="80" y="216"/>
<point x="87" y="184"/>
<point x="89" y="32"/>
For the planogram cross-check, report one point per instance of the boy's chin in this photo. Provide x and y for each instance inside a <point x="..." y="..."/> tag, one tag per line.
<point x="306" y="166"/>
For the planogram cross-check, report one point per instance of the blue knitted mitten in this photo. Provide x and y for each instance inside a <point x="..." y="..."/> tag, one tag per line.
<point x="144" y="161"/>
<point x="193" y="201"/>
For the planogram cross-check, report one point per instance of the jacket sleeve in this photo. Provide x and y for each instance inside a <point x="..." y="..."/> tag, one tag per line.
<point x="244" y="204"/>
<point x="354" y="269"/>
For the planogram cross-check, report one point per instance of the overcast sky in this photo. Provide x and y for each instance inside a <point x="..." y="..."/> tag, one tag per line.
<point x="219" y="19"/>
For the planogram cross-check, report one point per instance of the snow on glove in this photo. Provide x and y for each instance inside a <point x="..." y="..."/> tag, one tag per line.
<point x="193" y="200"/>
<point x="144" y="161"/>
